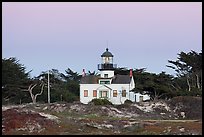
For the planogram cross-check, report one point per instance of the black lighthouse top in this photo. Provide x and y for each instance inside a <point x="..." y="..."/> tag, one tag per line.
<point x="107" y="61"/>
<point x="107" y="54"/>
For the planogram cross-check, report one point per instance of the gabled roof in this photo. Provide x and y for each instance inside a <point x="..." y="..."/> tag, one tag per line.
<point x="121" y="79"/>
<point x="102" y="87"/>
<point x="118" y="79"/>
<point x="91" y="79"/>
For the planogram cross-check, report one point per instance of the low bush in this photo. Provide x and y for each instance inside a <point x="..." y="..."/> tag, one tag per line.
<point x="127" y="101"/>
<point x="97" y="101"/>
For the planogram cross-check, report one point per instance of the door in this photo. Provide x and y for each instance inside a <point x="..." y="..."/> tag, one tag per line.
<point x="141" y="98"/>
<point x="103" y="94"/>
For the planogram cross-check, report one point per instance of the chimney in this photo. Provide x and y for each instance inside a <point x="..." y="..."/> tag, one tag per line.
<point x="130" y="72"/>
<point x="83" y="73"/>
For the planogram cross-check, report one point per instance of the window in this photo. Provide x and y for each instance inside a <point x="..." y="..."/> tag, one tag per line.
<point x="85" y="93"/>
<point x="123" y="93"/>
<point x="94" y="93"/>
<point x="103" y="94"/>
<point x="105" y="75"/>
<point x="104" y="82"/>
<point x="107" y="59"/>
<point x="114" y="93"/>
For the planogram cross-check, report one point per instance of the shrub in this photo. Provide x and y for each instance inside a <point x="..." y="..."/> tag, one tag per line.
<point x="126" y="104"/>
<point x="192" y="106"/>
<point x="97" y="101"/>
<point x="127" y="101"/>
<point x="69" y="97"/>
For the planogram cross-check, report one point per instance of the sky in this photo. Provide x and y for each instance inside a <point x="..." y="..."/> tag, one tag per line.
<point x="61" y="35"/>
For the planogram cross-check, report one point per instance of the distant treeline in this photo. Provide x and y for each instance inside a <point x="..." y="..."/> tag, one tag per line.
<point x="18" y="87"/>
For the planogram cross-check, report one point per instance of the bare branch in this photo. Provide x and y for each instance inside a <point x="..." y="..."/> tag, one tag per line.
<point x="30" y="91"/>
<point x="173" y="86"/>
<point x="33" y="87"/>
<point x="40" y="92"/>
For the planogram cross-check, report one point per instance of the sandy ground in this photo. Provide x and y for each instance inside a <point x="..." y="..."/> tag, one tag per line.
<point x="147" y="118"/>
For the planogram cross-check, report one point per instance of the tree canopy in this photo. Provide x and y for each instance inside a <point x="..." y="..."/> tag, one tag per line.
<point x="65" y="86"/>
<point x="189" y="67"/>
<point x="14" y="78"/>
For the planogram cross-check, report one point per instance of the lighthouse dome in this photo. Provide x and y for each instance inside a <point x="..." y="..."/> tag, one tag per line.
<point x="107" y="54"/>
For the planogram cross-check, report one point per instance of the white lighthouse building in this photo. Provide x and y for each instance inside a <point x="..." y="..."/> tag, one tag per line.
<point x="115" y="88"/>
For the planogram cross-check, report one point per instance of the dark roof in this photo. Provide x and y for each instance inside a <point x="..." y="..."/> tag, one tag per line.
<point x="121" y="79"/>
<point x="118" y="79"/>
<point x="91" y="79"/>
<point x="107" y="54"/>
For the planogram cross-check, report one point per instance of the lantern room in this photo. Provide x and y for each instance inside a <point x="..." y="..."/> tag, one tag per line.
<point x="107" y="61"/>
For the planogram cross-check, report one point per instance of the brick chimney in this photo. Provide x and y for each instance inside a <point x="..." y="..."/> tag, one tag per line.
<point x="83" y="73"/>
<point x="130" y="72"/>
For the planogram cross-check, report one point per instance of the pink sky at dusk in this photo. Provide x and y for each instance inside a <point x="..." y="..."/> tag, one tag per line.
<point x="74" y="34"/>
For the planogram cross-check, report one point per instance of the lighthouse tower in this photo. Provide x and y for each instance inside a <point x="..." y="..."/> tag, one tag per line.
<point x="107" y="67"/>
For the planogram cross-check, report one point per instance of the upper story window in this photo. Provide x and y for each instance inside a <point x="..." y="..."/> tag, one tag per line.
<point x="104" y="81"/>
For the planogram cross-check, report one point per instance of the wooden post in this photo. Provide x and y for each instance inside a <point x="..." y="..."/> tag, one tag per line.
<point x="48" y="88"/>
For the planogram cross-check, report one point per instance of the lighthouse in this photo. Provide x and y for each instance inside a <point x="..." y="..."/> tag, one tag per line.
<point x="115" y="88"/>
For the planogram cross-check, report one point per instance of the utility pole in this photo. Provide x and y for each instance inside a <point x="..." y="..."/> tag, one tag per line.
<point x="48" y="87"/>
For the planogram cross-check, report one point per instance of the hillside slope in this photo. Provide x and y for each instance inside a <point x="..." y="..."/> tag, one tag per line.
<point x="178" y="116"/>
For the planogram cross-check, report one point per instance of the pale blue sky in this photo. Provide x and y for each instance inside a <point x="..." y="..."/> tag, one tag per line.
<point x="61" y="35"/>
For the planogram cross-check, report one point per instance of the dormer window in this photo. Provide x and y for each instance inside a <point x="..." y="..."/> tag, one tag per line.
<point x="104" y="81"/>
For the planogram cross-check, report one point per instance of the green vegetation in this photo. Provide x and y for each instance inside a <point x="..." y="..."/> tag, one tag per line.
<point x="14" y="78"/>
<point x="128" y="101"/>
<point x="65" y="87"/>
<point x="15" y="83"/>
<point x="100" y="101"/>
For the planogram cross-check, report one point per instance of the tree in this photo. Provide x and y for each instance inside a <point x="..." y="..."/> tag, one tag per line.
<point x="92" y="73"/>
<point x="72" y="81"/>
<point x="55" y="82"/>
<point x="183" y="70"/>
<point x="71" y="75"/>
<point x="30" y="89"/>
<point x="157" y="85"/>
<point x="163" y="86"/>
<point x="14" y="78"/>
<point x="63" y="87"/>
<point x="189" y="66"/>
<point x="121" y="71"/>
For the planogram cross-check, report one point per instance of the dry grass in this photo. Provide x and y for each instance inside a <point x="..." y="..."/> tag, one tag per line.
<point x="78" y="119"/>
